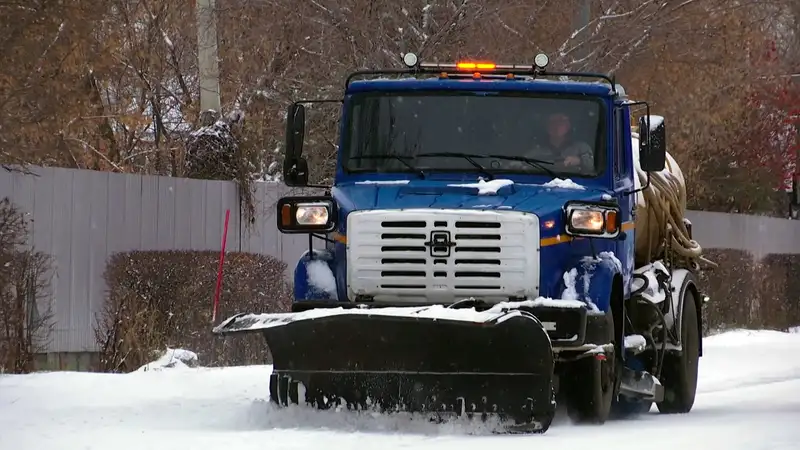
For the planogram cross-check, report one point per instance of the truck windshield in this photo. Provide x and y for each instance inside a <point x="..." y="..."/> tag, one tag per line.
<point x="424" y="131"/>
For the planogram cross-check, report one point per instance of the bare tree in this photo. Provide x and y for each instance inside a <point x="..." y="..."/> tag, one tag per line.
<point x="25" y="312"/>
<point x="113" y="85"/>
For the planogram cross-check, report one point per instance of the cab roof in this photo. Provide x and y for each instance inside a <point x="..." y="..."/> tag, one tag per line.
<point x="483" y="84"/>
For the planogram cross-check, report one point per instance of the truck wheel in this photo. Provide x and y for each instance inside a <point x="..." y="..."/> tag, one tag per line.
<point x="679" y="375"/>
<point x="589" y="391"/>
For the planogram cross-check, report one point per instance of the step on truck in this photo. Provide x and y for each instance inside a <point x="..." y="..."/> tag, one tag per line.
<point x="498" y="240"/>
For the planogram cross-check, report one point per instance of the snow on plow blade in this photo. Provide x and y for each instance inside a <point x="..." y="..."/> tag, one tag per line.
<point x="429" y="359"/>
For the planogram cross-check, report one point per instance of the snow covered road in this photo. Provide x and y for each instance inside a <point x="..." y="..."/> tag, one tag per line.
<point x="749" y="399"/>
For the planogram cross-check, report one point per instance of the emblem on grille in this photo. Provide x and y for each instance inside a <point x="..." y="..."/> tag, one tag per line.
<point x="440" y="243"/>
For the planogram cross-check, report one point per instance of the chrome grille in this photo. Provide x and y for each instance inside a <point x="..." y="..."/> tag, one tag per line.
<point x="442" y="255"/>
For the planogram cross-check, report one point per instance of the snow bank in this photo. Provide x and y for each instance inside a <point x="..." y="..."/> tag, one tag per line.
<point x="172" y="359"/>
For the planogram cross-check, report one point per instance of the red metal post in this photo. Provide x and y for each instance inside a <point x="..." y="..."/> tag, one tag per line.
<point x="219" y="270"/>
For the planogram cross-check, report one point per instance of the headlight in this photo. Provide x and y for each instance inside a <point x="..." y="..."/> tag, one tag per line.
<point x="590" y="219"/>
<point x="306" y="214"/>
<point x="587" y="221"/>
<point x="312" y="214"/>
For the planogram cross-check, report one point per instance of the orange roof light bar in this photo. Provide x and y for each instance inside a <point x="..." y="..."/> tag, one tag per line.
<point x="468" y="66"/>
<point x="476" y="66"/>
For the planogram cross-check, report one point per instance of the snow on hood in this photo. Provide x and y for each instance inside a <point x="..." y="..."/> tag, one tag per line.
<point x="496" y="194"/>
<point x="486" y="187"/>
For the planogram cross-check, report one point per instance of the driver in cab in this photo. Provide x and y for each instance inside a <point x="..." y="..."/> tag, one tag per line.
<point x="561" y="148"/>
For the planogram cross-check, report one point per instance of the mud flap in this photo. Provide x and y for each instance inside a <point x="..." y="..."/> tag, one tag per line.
<point x="495" y="363"/>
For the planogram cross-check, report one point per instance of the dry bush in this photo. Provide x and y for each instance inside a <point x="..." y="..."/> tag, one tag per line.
<point x="25" y="314"/>
<point x="730" y="288"/>
<point x="160" y="299"/>
<point x="782" y="309"/>
<point x="745" y="293"/>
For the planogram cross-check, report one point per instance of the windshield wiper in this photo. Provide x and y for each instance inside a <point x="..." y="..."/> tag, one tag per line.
<point x="402" y="159"/>
<point x="538" y="163"/>
<point x="466" y="156"/>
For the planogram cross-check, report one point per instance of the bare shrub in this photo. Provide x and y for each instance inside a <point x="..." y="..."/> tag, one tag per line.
<point x="160" y="299"/>
<point x="25" y="313"/>
<point x="745" y="293"/>
<point x="781" y="309"/>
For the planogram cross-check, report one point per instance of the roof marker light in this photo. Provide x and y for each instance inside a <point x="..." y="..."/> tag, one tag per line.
<point x="541" y="61"/>
<point x="410" y="59"/>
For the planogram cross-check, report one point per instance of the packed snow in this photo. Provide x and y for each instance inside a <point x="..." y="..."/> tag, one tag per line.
<point x="570" y="293"/>
<point x="748" y="398"/>
<point x="486" y="187"/>
<point x="563" y="184"/>
<point x="635" y="342"/>
<point x="320" y="277"/>
<point x="655" y="122"/>
<point x="386" y="182"/>
<point x="652" y="291"/>
<point x="589" y="263"/>
<point x="501" y="311"/>
<point x="172" y="358"/>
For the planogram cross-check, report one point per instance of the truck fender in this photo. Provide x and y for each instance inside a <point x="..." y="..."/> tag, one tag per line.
<point x="314" y="276"/>
<point x="593" y="280"/>
<point x="681" y="281"/>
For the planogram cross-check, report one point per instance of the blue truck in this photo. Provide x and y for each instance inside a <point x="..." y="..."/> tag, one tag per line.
<point x="498" y="242"/>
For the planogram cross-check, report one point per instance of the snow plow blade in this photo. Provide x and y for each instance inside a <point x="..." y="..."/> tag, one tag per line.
<point x="431" y="359"/>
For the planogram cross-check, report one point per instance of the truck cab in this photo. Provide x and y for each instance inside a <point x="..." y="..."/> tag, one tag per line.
<point x="478" y="181"/>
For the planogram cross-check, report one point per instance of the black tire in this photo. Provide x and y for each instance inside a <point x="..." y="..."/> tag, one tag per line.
<point x="590" y="385"/>
<point x="679" y="375"/>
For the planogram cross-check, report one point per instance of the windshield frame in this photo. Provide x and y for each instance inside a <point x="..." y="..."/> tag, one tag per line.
<point x="601" y="145"/>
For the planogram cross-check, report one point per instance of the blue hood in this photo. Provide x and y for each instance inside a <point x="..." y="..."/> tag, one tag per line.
<point x="542" y="200"/>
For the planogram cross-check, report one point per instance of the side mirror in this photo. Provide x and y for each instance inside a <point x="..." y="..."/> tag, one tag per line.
<point x="295" y="167"/>
<point x="295" y="130"/>
<point x="652" y="143"/>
